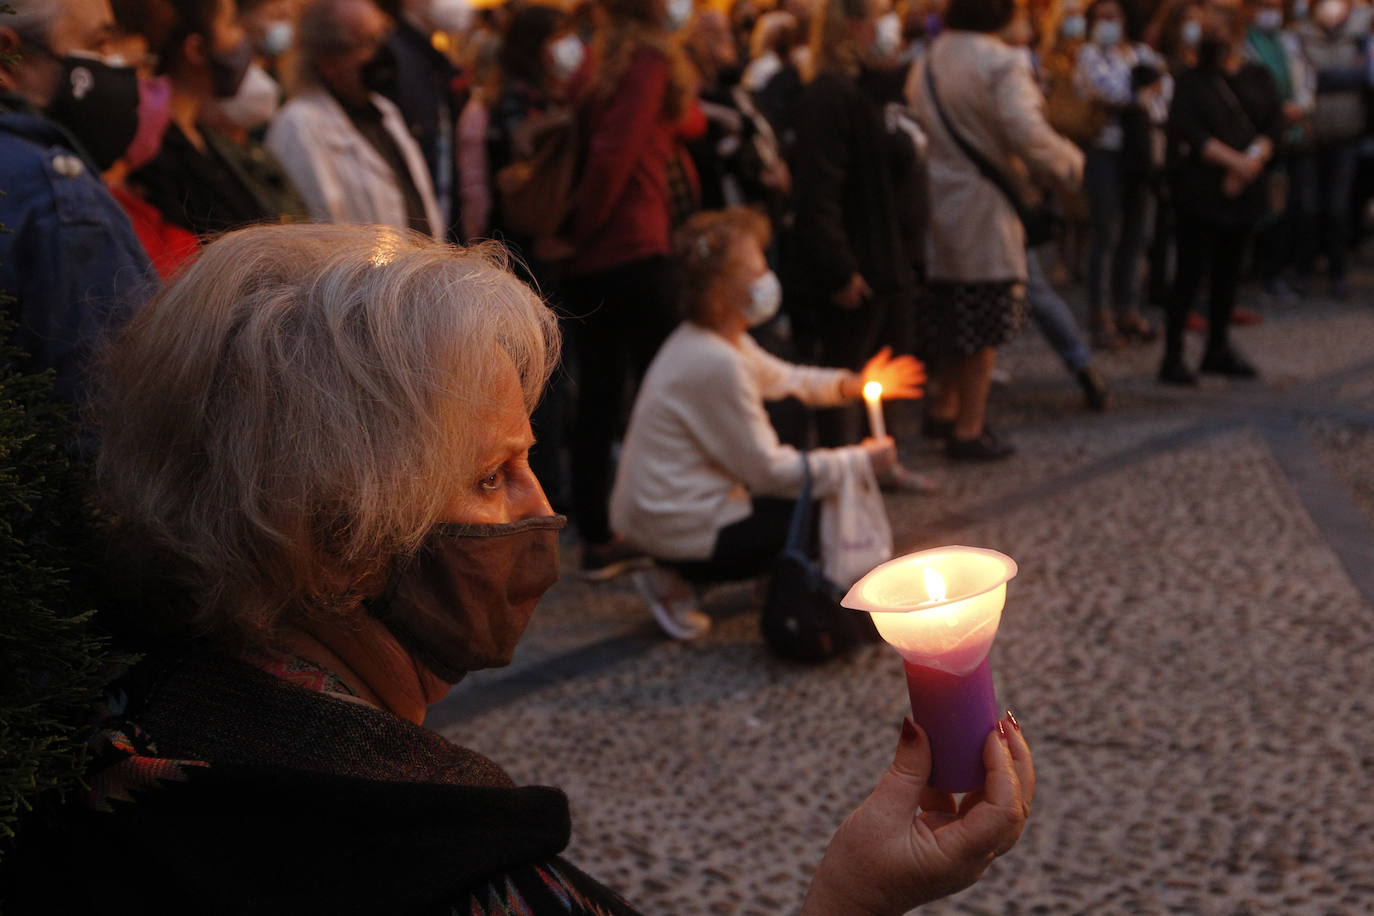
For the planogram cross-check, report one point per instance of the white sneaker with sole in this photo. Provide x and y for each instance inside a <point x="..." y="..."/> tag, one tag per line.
<point x="672" y="602"/>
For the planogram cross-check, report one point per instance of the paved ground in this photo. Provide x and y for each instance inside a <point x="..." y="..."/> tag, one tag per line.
<point x="1188" y="646"/>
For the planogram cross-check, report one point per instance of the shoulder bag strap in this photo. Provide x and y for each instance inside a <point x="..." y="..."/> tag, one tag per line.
<point x="985" y="168"/>
<point x="801" y="512"/>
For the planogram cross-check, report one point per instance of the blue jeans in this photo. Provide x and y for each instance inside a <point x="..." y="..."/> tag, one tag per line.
<point x="1321" y="184"/>
<point x="1119" y="213"/>
<point x="1052" y="316"/>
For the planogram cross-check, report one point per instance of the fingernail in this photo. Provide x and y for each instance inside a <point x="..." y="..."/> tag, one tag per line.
<point x="1001" y="730"/>
<point x="908" y="731"/>
<point x="1012" y="719"/>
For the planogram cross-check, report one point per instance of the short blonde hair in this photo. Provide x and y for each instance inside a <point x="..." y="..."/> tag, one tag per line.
<point x="296" y="410"/>
<point x="832" y="46"/>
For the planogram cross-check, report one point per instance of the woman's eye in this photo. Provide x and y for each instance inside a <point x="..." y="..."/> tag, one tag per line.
<point x="493" y="480"/>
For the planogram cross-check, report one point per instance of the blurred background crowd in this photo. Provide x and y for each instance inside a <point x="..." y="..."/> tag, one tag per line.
<point x="925" y="176"/>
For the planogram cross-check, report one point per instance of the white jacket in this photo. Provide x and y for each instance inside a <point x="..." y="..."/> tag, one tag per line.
<point x="700" y="442"/>
<point x="341" y="176"/>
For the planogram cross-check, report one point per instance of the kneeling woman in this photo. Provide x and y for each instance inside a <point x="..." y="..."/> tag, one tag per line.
<point x="704" y="483"/>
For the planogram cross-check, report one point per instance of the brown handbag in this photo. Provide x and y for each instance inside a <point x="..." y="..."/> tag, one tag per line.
<point x="1077" y="118"/>
<point x="537" y="191"/>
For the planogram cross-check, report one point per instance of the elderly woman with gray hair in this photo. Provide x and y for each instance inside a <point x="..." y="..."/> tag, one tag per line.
<point x="315" y="453"/>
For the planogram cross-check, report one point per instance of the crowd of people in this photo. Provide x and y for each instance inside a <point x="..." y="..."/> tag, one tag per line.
<point x="326" y="434"/>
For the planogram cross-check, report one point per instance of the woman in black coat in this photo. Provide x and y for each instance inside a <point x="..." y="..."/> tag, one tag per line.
<point x="1223" y="127"/>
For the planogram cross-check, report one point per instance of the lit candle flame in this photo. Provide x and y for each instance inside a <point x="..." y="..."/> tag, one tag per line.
<point x="935" y="584"/>
<point x="872" y="391"/>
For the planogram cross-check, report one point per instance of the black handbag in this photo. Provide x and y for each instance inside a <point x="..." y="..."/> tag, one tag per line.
<point x="802" y="619"/>
<point x="1038" y="221"/>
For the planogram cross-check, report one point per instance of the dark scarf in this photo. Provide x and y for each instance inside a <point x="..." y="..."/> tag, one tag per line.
<point x="231" y="791"/>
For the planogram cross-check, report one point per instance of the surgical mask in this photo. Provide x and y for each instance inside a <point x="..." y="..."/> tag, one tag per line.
<point x="679" y="11"/>
<point x="256" y="101"/>
<point x="277" y="39"/>
<point x="1191" y="33"/>
<point x="1107" y="33"/>
<point x="887" y="36"/>
<point x="1330" y="13"/>
<point x="765" y="297"/>
<point x="1269" y="20"/>
<point x="451" y="16"/>
<point x="463" y="600"/>
<point x="1073" y="27"/>
<point x="1300" y="10"/>
<point x="154" y="114"/>
<point x="379" y="73"/>
<point x="567" y="54"/>
<point x="228" y="68"/>
<point x="97" y="100"/>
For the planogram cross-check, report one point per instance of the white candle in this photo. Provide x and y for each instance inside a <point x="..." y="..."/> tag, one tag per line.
<point x="873" y="396"/>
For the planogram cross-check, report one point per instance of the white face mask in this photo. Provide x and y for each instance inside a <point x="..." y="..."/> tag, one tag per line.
<point x="765" y="297"/>
<point x="1191" y="33"/>
<point x="1269" y="20"/>
<point x="679" y="11"/>
<point x="1107" y="32"/>
<point x="256" y="101"/>
<point x="567" y="54"/>
<point x="887" y="36"/>
<point x="451" y="16"/>
<point x="1073" y="27"/>
<point x="277" y="39"/>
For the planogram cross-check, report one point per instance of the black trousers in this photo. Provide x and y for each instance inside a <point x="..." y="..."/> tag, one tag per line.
<point x="621" y="317"/>
<point x="747" y="548"/>
<point x="1213" y="249"/>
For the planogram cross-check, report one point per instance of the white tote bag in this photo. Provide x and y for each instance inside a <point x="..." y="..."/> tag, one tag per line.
<point x="855" y="534"/>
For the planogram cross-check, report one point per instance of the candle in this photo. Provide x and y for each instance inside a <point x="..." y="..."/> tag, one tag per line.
<point x="873" y="396"/>
<point x="940" y="609"/>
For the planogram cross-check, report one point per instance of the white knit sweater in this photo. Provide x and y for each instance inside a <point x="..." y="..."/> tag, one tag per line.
<point x="700" y="442"/>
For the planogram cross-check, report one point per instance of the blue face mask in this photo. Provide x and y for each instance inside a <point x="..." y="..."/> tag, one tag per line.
<point x="1269" y="20"/>
<point x="1107" y="33"/>
<point x="765" y="297"/>
<point x="1191" y="33"/>
<point x="1073" y="27"/>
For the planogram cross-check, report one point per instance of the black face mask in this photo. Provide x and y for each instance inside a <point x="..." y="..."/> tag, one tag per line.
<point x="462" y="602"/>
<point x="1212" y="53"/>
<point x="379" y="73"/>
<point x="228" y="68"/>
<point x="98" y="103"/>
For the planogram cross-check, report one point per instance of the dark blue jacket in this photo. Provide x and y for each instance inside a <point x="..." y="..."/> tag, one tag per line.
<point x="70" y="257"/>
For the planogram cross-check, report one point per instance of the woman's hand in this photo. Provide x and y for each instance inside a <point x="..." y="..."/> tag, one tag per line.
<point x="882" y="454"/>
<point x="901" y="377"/>
<point x="908" y="844"/>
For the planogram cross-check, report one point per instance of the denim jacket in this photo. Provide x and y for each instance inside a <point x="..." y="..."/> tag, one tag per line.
<point x="70" y="257"/>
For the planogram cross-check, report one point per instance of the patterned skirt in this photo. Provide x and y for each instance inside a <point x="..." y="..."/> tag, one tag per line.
<point x="963" y="318"/>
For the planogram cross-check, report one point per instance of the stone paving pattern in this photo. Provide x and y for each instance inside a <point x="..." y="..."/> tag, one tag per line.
<point x="1188" y="646"/>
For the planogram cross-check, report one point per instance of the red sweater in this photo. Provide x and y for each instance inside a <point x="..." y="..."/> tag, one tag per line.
<point x="622" y="208"/>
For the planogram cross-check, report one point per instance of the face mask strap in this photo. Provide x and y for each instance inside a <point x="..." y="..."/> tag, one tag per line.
<point x="479" y="530"/>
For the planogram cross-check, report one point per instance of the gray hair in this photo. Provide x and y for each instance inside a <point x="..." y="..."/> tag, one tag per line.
<point x="320" y="32"/>
<point x="32" y="20"/>
<point x="297" y="409"/>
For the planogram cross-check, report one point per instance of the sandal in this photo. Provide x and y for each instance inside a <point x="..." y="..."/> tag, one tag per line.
<point x="1134" y="327"/>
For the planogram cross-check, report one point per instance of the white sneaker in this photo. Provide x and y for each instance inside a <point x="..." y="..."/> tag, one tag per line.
<point x="672" y="602"/>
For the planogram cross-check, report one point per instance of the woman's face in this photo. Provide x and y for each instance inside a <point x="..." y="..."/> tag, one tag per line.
<point x="501" y="488"/>
<point x="225" y="30"/>
<point x="744" y="265"/>
<point x="1108" y="12"/>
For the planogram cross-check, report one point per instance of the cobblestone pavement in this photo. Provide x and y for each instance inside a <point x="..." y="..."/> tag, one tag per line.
<point x="1188" y="646"/>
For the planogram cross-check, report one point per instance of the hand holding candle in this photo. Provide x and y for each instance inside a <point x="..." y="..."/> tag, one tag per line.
<point x="940" y="609"/>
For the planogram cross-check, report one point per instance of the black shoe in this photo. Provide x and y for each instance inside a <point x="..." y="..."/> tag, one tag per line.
<point x="1228" y="363"/>
<point x="935" y="428"/>
<point x="1173" y="372"/>
<point x="986" y="447"/>
<point x="1094" y="388"/>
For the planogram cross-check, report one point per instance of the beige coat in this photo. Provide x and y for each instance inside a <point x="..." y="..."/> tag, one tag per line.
<point x="989" y="91"/>
<point x="341" y="176"/>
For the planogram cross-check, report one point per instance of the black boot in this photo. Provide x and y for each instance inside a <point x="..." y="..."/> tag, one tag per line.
<point x="1094" y="388"/>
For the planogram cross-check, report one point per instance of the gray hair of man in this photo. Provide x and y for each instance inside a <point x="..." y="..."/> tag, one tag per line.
<point x="295" y="411"/>
<point x="32" y="20"/>
<point x="320" y="32"/>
